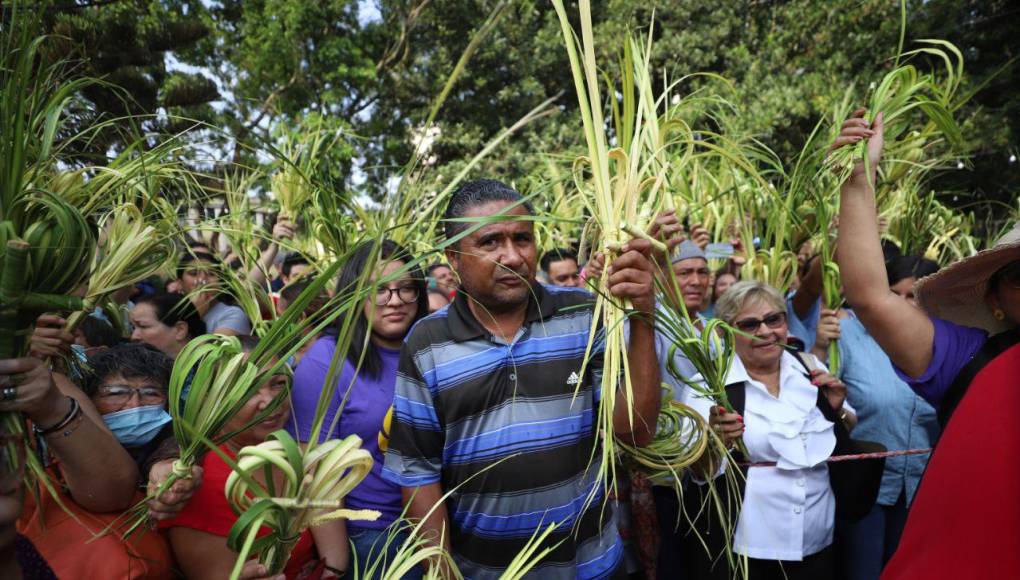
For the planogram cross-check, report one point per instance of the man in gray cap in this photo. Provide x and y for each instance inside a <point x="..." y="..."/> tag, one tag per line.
<point x="690" y="268"/>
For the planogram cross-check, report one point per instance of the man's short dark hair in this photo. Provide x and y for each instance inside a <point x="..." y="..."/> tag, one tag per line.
<point x="556" y="255"/>
<point x="293" y="259"/>
<point x="474" y="193"/>
<point x="433" y="267"/>
<point x="292" y="291"/>
<point x="131" y="360"/>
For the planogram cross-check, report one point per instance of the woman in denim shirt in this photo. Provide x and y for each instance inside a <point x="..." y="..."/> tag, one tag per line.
<point x="890" y="413"/>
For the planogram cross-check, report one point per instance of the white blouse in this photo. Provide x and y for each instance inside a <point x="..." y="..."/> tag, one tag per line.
<point x="788" y="510"/>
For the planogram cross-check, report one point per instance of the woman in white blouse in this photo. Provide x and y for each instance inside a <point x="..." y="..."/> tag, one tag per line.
<point x="787" y="514"/>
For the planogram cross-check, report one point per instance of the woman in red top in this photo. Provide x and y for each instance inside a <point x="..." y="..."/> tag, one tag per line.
<point x="198" y="535"/>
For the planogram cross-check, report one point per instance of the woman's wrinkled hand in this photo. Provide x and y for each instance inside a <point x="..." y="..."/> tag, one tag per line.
<point x="854" y="130"/>
<point x="833" y="388"/>
<point x="49" y="339"/>
<point x="828" y="329"/>
<point x="170" y="503"/>
<point x="728" y="426"/>
<point x="26" y="385"/>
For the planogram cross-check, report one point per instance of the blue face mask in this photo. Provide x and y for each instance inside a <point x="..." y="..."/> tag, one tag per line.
<point x="137" y="426"/>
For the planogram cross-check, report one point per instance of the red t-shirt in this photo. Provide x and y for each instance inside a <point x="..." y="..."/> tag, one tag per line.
<point x="208" y="511"/>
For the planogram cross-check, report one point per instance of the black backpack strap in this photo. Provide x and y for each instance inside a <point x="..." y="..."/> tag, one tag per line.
<point x="992" y="348"/>
<point x="842" y="435"/>
<point x="736" y="395"/>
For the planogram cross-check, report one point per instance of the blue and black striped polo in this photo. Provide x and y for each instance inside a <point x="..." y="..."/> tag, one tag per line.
<point x="510" y="428"/>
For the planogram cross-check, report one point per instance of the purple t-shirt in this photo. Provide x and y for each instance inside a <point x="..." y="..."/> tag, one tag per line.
<point x="363" y="414"/>
<point x="952" y="348"/>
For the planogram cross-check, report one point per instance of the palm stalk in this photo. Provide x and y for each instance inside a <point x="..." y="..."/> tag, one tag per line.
<point x="620" y="189"/>
<point x="900" y="94"/>
<point x="530" y="555"/>
<point x="680" y="440"/>
<point x="294" y="184"/>
<point x="132" y="251"/>
<point x="309" y="492"/>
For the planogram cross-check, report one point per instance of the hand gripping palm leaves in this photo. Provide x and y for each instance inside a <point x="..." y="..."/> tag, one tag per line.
<point x="313" y="485"/>
<point x="47" y="233"/>
<point x="620" y="188"/>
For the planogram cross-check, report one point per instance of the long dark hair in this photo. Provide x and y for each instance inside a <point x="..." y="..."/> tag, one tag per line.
<point x="347" y="283"/>
<point x="172" y="308"/>
<point x="909" y="266"/>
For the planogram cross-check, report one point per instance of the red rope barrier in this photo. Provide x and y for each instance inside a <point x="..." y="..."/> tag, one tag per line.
<point x="837" y="458"/>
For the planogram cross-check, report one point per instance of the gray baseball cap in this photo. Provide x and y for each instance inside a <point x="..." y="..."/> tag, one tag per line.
<point x="686" y="251"/>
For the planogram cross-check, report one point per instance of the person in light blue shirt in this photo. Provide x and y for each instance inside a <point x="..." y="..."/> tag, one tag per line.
<point x="890" y="413"/>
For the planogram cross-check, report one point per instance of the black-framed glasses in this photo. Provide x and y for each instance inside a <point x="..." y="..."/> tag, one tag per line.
<point x="119" y="395"/>
<point x="749" y="325"/>
<point x="1009" y="274"/>
<point x="407" y="294"/>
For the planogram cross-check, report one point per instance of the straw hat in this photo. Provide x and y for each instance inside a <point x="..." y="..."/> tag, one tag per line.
<point x="957" y="293"/>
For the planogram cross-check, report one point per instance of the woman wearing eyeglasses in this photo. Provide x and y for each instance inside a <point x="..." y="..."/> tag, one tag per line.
<point x="126" y="396"/>
<point x="787" y="517"/>
<point x="365" y="385"/>
<point x="961" y="352"/>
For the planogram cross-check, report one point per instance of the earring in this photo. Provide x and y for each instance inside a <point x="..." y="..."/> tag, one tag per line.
<point x="999" y="314"/>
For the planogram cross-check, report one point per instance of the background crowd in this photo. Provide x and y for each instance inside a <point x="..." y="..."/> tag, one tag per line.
<point x="707" y="330"/>
<point x="102" y="410"/>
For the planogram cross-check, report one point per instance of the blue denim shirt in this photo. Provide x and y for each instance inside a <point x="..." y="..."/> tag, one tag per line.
<point x="888" y="411"/>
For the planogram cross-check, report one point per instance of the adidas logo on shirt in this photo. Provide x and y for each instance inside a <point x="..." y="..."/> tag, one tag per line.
<point x="573" y="379"/>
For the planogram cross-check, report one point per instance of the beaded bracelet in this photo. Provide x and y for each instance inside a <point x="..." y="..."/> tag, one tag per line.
<point x="71" y="415"/>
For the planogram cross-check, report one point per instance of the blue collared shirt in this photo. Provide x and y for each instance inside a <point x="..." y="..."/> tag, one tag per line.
<point x="888" y="411"/>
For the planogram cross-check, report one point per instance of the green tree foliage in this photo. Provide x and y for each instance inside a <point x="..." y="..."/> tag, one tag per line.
<point x="126" y="44"/>
<point x="988" y="31"/>
<point x="374" y="68"/>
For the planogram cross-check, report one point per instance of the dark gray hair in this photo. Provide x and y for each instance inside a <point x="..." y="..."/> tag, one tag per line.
<point x="474" y="193"/>
<point x="131" y="360"/>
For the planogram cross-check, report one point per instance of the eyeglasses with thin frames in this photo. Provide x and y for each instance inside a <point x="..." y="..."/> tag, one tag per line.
<point x="119" y="395"/>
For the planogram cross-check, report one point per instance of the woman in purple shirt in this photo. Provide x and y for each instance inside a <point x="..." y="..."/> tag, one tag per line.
<point x="364" y="392"/>
<point x="962" y="354"/>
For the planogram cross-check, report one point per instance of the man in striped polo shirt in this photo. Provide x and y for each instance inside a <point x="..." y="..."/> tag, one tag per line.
<point x="485" y="405"/>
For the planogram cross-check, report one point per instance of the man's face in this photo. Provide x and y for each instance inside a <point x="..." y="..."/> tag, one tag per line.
<point x="565" y="273"/>
<point x="444" y="278"/>
<point x="297" y="271"/>
<point x="692" y="277"/>
<point x="496" y="263"/>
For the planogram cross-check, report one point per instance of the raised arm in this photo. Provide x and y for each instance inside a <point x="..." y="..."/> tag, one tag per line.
<point x="810" y="289"/>
<point x="282" y="230"/>
<point x="904" y="332"/>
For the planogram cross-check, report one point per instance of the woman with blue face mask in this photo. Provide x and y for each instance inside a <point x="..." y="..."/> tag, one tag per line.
<point x="128" y="386"/>
<point x="126" y="396"/>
